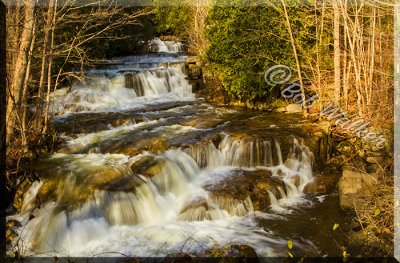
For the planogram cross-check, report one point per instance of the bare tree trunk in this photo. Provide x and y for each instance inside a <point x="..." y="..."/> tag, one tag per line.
<point x="13" y="35"/>
<point x="45" y="59"/>
<point x="14" y="91"/>
<point x="200" y="13"/>
<point x="295" y="55"/>
<point x="46" y="116"/>
<point x="319" y="41"/>
<point x="353" y="58"/>
<point x="3" y="83"/>
<point x="346" y="66"/>
<point x="346" y="75"/>
<point x="24" y="96"/>
<point x="336" y="49"/>
<point x="372" y="63"/>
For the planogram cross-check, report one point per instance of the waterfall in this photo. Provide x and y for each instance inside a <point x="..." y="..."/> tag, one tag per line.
<point x="173" y="186"/>
<point x="108" y="190"/>
<point x="156" y="45"/>
<point x="128" y="82"/>
<point x="231" y="152"/>
<point x="156" y="82"/>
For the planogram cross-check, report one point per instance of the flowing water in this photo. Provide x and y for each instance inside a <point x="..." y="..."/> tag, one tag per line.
<point x="147" y="170"/>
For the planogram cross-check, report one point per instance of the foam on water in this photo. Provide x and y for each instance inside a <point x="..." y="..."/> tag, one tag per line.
<point x="140" y="222"/>
<point x="154" y="204"/>
<point x="128" y="83"/>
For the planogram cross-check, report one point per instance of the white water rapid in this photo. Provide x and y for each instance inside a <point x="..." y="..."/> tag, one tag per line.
<point x="156" y="184"/>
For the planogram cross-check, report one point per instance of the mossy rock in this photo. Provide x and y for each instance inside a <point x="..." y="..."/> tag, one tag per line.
<point x="149" y="165"/>
<point x="244" y="251"/>
<point x="21" y="191"/>
<point x="244" y="184"/>
<point x="230" y="253"/>
<point x="72" y="192"/>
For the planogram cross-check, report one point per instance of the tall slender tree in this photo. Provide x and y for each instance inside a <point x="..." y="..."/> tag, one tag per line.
<point x="336" y="48"/>
<point x="16" y="88"/>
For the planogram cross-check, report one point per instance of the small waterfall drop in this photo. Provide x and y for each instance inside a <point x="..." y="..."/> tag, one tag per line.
<point x="172" y="186"/>
<point x="129" y="82"/>
<point x="145" y="177"/>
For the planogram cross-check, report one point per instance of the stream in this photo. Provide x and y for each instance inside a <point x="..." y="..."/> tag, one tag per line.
<point x="148" y="169"/>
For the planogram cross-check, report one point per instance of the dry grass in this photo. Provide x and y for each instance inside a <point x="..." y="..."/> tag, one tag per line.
<point x="376" y="213"/>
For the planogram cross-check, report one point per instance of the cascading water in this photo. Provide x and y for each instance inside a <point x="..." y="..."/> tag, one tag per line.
<point x="144" y="188"/>
<point x="130" y="82"/>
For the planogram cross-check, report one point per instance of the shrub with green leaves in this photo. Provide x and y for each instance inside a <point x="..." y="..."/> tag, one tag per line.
<point x="247" y="40"/>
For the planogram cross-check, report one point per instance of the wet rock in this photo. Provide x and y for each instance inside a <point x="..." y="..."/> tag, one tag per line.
<point x="294" y="108"/>
<point x="296" y="180"/>
<point x="126" y="121"/>
<point x="113" y="179"/>
<point x="73" y="190"/>
<point x="204" y="123"/>
<point x="256" y="185"/>
<point x="320" y="143"/>
<point x="134" y="146"/>
<point x="244" y="251"/>
<point x="20" y="194"/>
<point x="196" y="210"/>
<point x="148" y="165"/>
<point x="322" y="184"/>
<point x="216" y="140"/>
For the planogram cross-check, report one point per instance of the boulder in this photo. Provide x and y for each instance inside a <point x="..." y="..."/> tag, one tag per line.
<point x="243" y="251"/>
<point x="353" y="186"/>
<point x="374" y="159"/>
<point x="369" y="180"/>
<point x="73" y="190"/>
<point x="233" y="250"/>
